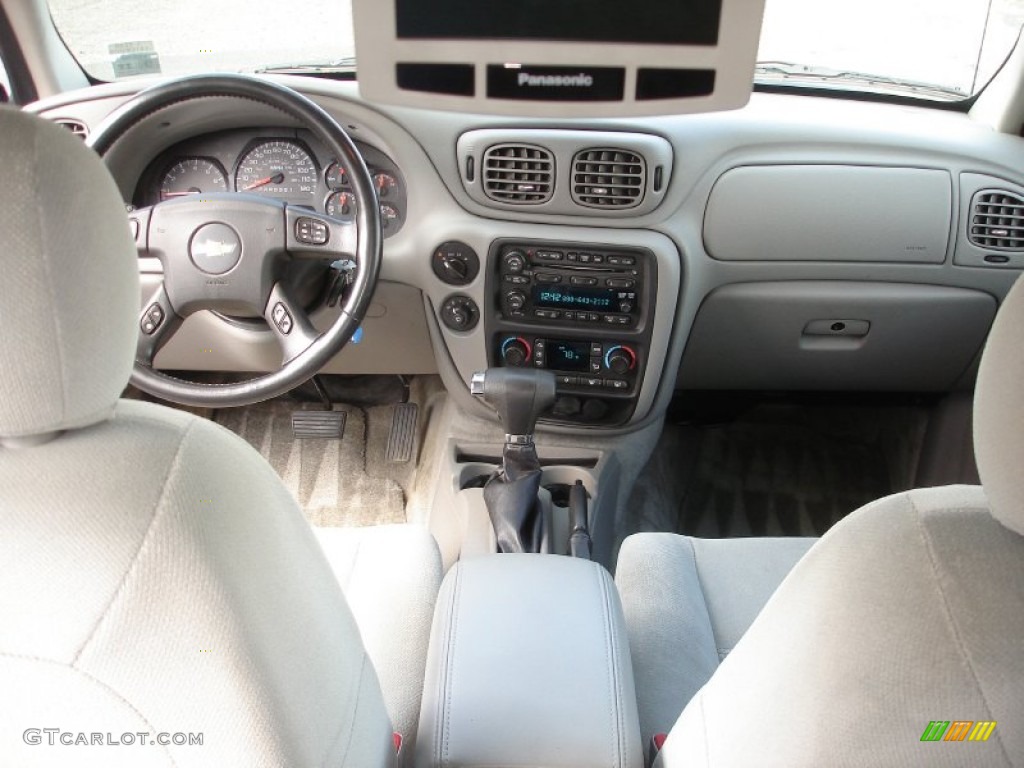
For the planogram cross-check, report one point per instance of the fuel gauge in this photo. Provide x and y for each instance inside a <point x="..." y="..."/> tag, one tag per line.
<point x="341" y="205"/>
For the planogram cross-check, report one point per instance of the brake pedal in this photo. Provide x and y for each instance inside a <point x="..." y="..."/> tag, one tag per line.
<point x="318" y="425"/>
<point x="403" y="433"/>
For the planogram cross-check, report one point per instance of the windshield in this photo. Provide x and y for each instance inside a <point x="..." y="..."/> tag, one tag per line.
<point x="934" y="49"/>
<point x="938" y="48"/>
<point x="123" y="38"/>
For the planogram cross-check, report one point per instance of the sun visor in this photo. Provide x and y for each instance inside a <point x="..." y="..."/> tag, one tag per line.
<point x="558" y="58"/>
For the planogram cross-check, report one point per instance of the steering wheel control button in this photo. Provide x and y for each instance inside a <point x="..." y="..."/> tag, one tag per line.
<point x="282" y="318"/>
<point x="152" y="319"/>
<point x="311" y="231"/>
<point x="215" y="248"/>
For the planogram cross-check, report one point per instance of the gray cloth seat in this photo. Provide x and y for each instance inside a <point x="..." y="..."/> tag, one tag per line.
<point x="687" y="602"/>
<point x="910" y="611"/>
<point x="390" y="576"/>
<point x="155" y="575"/>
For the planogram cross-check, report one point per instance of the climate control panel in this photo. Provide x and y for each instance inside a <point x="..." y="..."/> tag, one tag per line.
<point x="578" y="365"/>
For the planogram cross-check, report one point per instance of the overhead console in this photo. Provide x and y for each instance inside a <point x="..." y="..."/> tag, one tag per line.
<point x="558" y="57"/>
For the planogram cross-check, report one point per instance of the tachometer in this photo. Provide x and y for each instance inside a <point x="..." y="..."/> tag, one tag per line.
<point x="278" y="168"/>
<point x="193" y="175"/>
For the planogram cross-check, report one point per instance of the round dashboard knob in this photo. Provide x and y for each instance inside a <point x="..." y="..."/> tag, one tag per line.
<point x="515" y="351"/>
<point x="620" y="360"/>
<point x="516" y="300"/>
<point x="515" y="262"/>
<point x="460" y="313"/>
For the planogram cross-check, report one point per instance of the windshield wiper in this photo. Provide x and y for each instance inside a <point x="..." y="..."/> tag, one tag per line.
<point x="343" y="66"/>
<point x="814" y="75"/>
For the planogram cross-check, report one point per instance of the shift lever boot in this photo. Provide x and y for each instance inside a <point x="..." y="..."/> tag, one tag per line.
<point x="519" y="396"/>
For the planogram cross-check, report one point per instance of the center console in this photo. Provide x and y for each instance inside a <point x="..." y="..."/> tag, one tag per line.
<point x="529" y="664"/>
<point x="582" y="311"/>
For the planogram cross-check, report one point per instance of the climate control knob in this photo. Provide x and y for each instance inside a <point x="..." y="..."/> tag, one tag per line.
<point x="620" y="360"/>
<point x="515" y="262"/>
<point x="516" y="351"/>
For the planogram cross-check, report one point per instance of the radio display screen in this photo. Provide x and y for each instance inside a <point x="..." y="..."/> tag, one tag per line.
<point x="568" y="355"/>
<point x="575" y="298"/>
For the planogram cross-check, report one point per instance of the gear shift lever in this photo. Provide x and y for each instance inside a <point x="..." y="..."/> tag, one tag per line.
<point x="519" y="396"/>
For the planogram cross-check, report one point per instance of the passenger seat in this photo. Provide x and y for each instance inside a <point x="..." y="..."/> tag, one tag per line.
<point x="908" y="613"/>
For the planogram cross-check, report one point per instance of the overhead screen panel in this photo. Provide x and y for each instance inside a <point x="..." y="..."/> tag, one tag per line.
<point x="685" y="22"/>
<point x="558" y="57"/>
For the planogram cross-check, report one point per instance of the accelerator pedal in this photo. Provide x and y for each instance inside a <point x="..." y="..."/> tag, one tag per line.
<point x="403" y="433"/>
<point x="318" y="425"/>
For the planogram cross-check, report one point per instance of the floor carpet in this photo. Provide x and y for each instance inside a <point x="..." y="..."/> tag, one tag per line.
<point x="777" y="470"/>
<point x="329" y="478"/>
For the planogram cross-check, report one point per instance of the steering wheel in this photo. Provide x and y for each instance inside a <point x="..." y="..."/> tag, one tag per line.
<point x="228" y="251"/>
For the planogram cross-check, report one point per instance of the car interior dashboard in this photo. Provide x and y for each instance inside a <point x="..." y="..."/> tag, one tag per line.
<point x="586" y="351"/>
<point x="799" y="243"/>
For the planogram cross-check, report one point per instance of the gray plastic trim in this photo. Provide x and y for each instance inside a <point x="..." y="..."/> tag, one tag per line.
<point x="890" y="337"/>
<point x="829" y="213"/>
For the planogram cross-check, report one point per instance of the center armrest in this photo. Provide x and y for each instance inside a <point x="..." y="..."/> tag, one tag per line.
<point x="528" y="665"/>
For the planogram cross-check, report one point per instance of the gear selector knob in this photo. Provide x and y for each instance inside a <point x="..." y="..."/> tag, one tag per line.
<point x="519" y="395"/>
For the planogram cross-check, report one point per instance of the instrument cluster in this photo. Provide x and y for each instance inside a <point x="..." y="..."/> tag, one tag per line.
<point x="290" y="165"/>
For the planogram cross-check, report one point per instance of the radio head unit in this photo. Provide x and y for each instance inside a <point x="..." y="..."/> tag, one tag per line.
<point x="574" y="287"/>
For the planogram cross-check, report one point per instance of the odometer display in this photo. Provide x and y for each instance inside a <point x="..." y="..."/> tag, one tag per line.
<point x="280" y="169"/>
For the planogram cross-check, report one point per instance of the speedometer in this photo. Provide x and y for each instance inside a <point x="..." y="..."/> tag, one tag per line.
<point x="280" y="169"/>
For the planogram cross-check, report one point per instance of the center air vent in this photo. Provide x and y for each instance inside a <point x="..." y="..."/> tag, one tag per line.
<point x="997" y="220"/>
<point x="608" y="178"/>
<point x="77" y="127"/>
<point x="521" y="174"/>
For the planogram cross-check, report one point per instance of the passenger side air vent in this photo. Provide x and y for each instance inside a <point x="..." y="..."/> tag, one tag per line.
<point x="77" y="127"/>
<point x="520" y="174"/>
<point x="608" y="178"/>
<point x="997" y="220"/>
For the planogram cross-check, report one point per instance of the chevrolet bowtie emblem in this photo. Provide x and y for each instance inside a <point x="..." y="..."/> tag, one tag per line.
<point x="215" y="248"/>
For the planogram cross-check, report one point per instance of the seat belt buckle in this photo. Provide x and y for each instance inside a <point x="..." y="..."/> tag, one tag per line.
<point x="657" y="742"/>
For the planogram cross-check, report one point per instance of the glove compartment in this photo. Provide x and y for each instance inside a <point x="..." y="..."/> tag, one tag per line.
<point x="831" y="335"/>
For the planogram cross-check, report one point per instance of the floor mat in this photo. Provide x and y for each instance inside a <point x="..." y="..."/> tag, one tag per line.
<point x="778" y="470"/>
<point x="329" y="478"/>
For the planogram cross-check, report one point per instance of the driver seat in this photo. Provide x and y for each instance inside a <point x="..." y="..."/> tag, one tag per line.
<point x="157" y="581"/>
